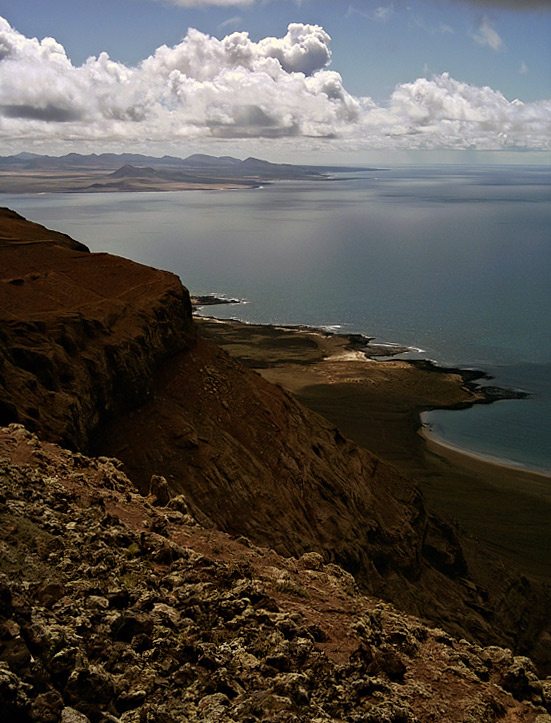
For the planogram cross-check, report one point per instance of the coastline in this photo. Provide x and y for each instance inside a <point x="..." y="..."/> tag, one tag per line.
<point x="95" y="182"/>
<point x="359" y="347"/>
<point x="539" y="480"/>
<point x="378" y="403"/>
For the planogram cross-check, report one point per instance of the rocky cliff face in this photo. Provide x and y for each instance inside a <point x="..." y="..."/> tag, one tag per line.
<point x="116" y="608"/>
<point x="80" y="333"/>
<point x="97" y="350"/>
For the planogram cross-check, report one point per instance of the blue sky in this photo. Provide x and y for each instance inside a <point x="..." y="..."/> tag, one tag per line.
<point x="381" y="50"/>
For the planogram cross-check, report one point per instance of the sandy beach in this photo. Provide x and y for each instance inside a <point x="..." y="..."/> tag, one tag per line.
<point x="378" y="404"/>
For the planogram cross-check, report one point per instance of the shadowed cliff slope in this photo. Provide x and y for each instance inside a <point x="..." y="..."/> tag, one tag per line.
<point x="100" y="350"/>
<point x="81" y="333"/>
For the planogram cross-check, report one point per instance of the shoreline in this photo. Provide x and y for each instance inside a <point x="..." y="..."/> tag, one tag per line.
<point x="467" y="458"/>
<point x="378" y="404"/>
<point x="384" y="352"/>
<point x="40" y="186"/>
<point x="433" y="439"/>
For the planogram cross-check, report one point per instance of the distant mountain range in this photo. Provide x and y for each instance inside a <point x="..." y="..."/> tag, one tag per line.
<point x="30" y="172"/>
<point x="197" y="162"/>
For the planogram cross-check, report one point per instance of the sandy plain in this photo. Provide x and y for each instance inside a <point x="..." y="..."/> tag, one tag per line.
<point x="102" y="181"/>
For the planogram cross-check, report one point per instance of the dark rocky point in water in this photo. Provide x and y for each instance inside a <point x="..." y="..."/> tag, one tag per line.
<point x="211" y="300"/>
<point x="471" y="380"/>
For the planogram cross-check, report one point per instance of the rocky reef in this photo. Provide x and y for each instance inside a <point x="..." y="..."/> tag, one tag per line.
<point x="100" y="354"/>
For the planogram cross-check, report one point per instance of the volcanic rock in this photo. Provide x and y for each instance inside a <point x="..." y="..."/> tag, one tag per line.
<point x="235" y="632"/>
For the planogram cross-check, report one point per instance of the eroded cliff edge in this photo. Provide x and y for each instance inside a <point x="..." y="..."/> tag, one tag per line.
<point x="99" y="352"/>
<point x="80" y="333"/>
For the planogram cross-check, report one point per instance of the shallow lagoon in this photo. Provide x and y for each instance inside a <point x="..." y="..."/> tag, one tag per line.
<point x="454" y="260"/>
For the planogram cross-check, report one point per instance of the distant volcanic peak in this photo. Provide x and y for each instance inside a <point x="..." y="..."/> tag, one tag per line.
<point x="205" y="159"/>
<point x="127" y="171"/>
<point x="136" y="172"/>
<point x="229" y="159"/>
<point x="24" y="156"/>
<point x="257" y="163"/>
<point x="20" y="159"/>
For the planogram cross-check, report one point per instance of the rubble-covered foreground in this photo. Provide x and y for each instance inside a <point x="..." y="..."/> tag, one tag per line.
<point x="116" y="607"/>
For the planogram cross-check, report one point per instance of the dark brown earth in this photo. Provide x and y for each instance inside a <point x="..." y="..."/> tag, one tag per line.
<point x="100" y="353"/>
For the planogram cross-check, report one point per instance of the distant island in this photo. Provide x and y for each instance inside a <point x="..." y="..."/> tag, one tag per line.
<point x="111" y="172"/>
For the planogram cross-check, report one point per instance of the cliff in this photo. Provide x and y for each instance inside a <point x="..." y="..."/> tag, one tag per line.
<point x="80" y="333"/>
<point x="100" y="353"/>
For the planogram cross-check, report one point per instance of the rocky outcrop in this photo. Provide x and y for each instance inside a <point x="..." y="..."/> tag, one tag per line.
<point x="114" y="609"/>
<point x="80" y="333"/>
<point x="99" y="352"/>
<point x="251" y="460"/>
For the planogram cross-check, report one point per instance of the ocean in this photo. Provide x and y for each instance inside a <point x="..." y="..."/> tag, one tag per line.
<point x="454" y="261"/>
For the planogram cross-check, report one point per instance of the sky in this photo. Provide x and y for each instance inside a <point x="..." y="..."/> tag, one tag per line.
<point x="314" y="80"/>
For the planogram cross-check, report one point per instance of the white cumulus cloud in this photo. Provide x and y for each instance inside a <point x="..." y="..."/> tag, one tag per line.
<point x="444" y="113"/>
<point x="235" y="88"/>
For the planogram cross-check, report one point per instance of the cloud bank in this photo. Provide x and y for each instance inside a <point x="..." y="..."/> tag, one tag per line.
<point x="234" y="88"/>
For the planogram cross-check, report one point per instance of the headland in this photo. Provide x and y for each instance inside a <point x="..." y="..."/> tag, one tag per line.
<point x="378" y="405"/>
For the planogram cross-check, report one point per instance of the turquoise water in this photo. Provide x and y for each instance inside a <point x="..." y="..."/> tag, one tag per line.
<point x="455" y="261"/>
